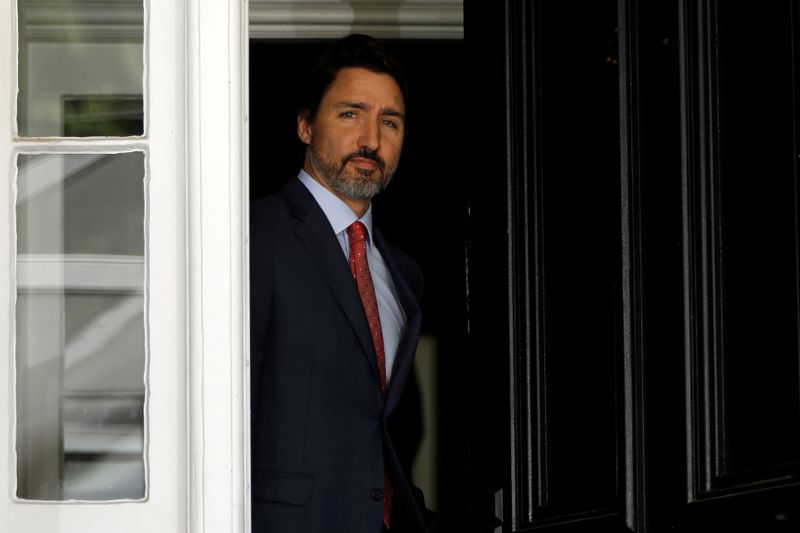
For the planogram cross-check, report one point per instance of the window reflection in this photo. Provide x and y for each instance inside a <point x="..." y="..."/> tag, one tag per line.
<point x="80" y="68"/>
<point x="80" y="335"/>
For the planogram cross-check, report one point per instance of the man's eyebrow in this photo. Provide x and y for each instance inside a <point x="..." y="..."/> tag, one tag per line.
<point x="392" y="113"/>
<point x="363" y="105"/>
<point x="357" y="105"/>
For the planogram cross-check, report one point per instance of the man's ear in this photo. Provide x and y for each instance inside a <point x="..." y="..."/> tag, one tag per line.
<point x="304" y="127"/>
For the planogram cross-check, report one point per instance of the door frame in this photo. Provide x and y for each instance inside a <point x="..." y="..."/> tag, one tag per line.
<point x="218" y="302"/>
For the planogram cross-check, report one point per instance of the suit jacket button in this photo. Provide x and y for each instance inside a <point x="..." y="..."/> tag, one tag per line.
<point x="377" y="495"/>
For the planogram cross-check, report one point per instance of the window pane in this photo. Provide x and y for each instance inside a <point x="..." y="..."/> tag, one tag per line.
<point x="80" y="334"/>
<point x="80" y="68"/>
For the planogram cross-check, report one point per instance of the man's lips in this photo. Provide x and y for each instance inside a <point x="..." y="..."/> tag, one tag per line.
<point x="364" y="162"/>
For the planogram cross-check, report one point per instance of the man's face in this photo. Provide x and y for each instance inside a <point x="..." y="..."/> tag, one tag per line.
<point x="354" y="141"/>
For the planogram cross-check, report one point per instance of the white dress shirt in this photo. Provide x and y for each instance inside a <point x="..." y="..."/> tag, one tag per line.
<point x="340" y="216"/>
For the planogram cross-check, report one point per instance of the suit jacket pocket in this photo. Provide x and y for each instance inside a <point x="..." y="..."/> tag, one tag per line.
<point x="293" y="488"/>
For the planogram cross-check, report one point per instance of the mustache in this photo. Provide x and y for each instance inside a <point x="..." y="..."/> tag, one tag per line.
<point x="365" y="153"/>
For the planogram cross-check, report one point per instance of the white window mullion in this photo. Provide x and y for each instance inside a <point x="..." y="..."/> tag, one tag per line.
<point x="7" y="286"/>
<point x="165" y="120"/>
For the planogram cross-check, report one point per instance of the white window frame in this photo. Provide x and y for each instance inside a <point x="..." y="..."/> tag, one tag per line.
<point x="196" y="145"/>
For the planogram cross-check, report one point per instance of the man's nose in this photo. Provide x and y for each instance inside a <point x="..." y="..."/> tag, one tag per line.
<point x="370" y="137"/>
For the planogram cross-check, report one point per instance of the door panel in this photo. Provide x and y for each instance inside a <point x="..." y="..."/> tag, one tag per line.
<point x="565" y="231"/>
<point x="741" y="247"/>
<point x="651" y="261"/>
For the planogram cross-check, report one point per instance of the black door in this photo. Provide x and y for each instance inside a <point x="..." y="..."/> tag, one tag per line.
<point x="633" y="266"/>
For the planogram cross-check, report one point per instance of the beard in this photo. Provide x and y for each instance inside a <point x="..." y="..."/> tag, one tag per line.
<point x="356" y="184"/>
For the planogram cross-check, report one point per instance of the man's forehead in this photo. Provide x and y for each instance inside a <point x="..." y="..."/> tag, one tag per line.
<point x="356" y="84"/>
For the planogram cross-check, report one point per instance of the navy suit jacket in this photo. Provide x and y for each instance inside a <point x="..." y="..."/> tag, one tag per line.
<point x="321" y="429"/>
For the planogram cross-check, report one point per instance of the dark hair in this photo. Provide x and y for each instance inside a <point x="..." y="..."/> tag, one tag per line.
<point x="355" y="50"/>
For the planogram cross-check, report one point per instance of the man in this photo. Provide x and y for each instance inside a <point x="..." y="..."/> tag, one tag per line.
<point x="335" y="317"/>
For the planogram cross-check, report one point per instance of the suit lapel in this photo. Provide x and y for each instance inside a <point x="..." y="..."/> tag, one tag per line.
<point x="317" y="236"/>
<point x="408" y="342"/>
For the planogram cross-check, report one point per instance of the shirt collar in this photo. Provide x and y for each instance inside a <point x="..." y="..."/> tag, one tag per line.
<point x="338" y="213"/>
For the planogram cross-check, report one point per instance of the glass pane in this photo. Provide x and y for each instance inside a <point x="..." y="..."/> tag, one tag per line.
<point x="80" y="333"/>
<point x="80" y="68"/>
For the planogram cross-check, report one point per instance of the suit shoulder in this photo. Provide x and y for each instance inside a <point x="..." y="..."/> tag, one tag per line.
<point x="267" y="207"/>
<point x="270" y="218"/>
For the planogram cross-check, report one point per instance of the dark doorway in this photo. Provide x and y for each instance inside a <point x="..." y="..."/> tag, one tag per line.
<point x="603" y="197"/>
<point x="424" y="212"/>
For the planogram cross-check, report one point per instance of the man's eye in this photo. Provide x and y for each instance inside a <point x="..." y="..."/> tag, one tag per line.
<point x="348" y="114"/>
<point x="390" y="123"/>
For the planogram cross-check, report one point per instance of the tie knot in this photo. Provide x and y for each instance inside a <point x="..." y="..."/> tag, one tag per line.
<point x="357" y="232"/>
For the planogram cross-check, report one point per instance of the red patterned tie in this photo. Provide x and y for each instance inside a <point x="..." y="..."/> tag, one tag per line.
<point x="357" y="233"/>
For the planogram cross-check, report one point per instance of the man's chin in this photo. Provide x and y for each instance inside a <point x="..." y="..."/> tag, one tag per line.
<point x="358" y="189"/>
